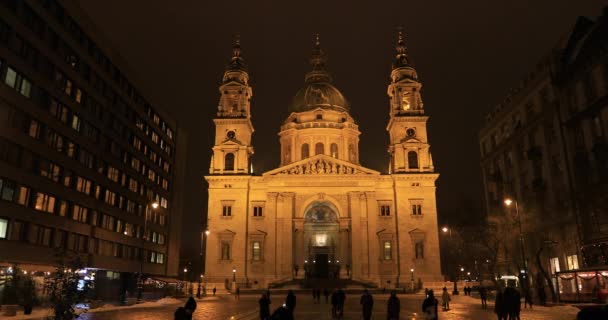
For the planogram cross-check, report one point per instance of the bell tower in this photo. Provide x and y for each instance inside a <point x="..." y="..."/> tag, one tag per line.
<point x="409" y="148"/>
<point x="233" y="129"/>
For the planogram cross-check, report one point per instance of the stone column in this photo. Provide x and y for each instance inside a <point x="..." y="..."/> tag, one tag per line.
<point x="356" y="243"/>
<point x="271" y="264"/>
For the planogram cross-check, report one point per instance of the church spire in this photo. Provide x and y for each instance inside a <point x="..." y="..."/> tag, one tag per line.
<point x="236" y="61"/>
<point x="401" y="60"/>
<point x="318" y="60"/>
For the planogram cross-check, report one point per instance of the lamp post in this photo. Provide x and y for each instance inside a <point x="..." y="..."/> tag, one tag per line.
<point x="202" y="253"/>
<point x="140" y="281"/>
<point x="234" y="275"/>
<point x="186" y="278"/>
<point x="412" y="274"/>
<point x="508" y="203"/>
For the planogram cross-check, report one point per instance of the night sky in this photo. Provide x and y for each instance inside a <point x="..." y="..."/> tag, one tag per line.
<point x="467" y="54"/>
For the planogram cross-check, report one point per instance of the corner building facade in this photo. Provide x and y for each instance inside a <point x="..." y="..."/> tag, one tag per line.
<point x="321" y="214"/>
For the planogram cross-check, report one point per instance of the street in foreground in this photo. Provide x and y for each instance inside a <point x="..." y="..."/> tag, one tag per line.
<point x="225" y="307"/>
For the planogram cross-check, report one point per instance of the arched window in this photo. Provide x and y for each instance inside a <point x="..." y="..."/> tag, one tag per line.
<point x="229" y="162"/>
<point x="412" y="160"/>
<point x="319" y="149"/>
<point x="352" y="156"/>
<point x="305" y="151"/>
<point x="334" y="150"/>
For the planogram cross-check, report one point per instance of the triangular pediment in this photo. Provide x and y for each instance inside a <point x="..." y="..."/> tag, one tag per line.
<point x="411" y="140"/>
<point x="321" y="165"/>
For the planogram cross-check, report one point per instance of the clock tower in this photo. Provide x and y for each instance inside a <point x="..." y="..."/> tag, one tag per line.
<point x="233" y="129"/>
<point x="409" y="148"/>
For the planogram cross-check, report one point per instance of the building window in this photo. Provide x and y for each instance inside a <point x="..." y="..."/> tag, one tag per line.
<point x="256" y="251"/>
<point x="554" y="265"/>
<point x="334" y="150"/>
<point x="572" y="262"/>
<point x="416" y="209"/>
<point x="258" y="211"/>
<point x="387" y="250"/>
<point x="3" y="228"/>
<point x="412" y="159"/>
<point x="34" y="130"/>
<point x="419" y="248"/>
<point x="227" y="210"/>
<point x="17" y="82"/>
<point x="8" y="190"/>
<point x="80" y="213"/>
<point x="305" y="151"/>
<point x="44" y="202"/>
<point x="319" y="148"/>
<point x="229" y="162"/>
<point x="83" y="185"/>
<point x="385" y="210"/>
<point x="225" y="251"/>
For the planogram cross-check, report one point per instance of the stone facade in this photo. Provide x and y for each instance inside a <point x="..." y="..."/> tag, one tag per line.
<point x="322" y="214"/>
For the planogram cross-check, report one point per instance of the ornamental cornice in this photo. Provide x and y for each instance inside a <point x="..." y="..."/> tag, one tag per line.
<point x="321" y="165"/>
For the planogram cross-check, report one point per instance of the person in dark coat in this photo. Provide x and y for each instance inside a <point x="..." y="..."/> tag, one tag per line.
<point x="314" y="295"/>
<point x="264" y="303"/>
<point x="528" y="298"/>
<point x="429" y="306"/>
<point x="499" y="305"/>
<point x="290" y="301"/>
<point x="326" y="294"/>
<point x="483" y="294"/>
<point x="334" y="304"/>
<point x="180" y="314"/>
<point x="214" y="289"/>
<point x="367" y="304"/>
<point x="190" y="307"/>
<point x="393" y="307"/>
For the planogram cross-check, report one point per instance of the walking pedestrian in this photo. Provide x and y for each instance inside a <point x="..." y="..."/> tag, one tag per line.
<point x="542" y="296"/>
<point x="264" y="303"/>
<point x="237" y="296"/>
<point x="180" y="314"/>
<point x="499" y="305"/>
<point x="189" y="308"/>
<point x="326" y="294"/>
<point x="334" y="304"/>
<point x="483" y="294"/>
<point x="393" y="307"/>
<point x="528" y="298"/>
<point x="429" y="305"/>
<point x="214" y="289"/>
<point x="314" y="295"/>
<point x="341" y="300"/>
<point x="367" y="303"/>
<point x="445" y="299"/>
<point x="290" y="302"/>
<point x="512" y="303"/>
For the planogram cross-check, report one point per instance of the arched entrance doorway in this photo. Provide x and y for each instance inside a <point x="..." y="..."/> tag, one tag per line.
<point x="322" y="240"/>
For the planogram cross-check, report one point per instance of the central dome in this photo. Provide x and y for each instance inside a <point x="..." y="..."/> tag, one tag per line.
<point x="318" y="95"/>
<point x="318" y="92"/>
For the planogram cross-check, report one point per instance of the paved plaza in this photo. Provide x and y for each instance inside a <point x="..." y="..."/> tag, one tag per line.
<point x="225" y="307"/>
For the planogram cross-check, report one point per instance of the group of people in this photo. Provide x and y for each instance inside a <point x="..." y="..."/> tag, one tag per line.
<point x="467" y="290"/>
<point x="508" y="304"/>
<point x="316" y="295"/>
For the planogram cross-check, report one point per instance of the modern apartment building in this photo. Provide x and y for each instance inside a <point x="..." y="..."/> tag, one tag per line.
<point x="545" y="146"/>
<point x="83" y="154"/>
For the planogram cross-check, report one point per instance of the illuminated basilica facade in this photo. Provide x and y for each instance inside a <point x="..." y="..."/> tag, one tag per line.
<point x="321" y="213"/>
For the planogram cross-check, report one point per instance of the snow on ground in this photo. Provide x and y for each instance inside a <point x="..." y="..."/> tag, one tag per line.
<point x="39" y="313"/>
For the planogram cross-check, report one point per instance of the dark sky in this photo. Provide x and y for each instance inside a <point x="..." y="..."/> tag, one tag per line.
<point x="467" y="53"/>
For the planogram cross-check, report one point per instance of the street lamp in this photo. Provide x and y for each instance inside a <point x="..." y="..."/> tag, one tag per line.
<point x="412" y="273"/>
<point x="234" y="275"/>
<point x="140" y="282"/>
<point x="203" y="251"/>
<point x="508" y="203"/>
